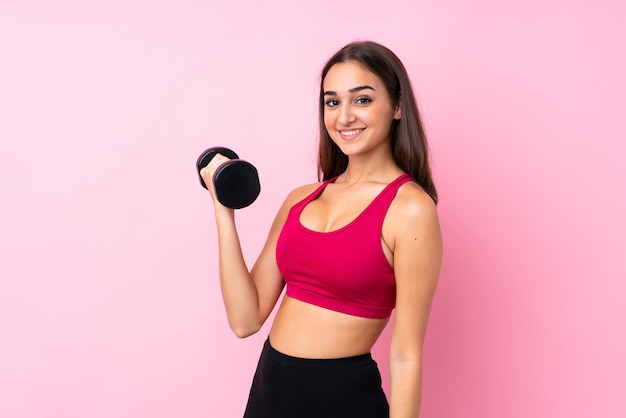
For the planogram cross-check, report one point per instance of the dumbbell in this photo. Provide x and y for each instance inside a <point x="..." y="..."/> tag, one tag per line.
<point x="236" y="181"/>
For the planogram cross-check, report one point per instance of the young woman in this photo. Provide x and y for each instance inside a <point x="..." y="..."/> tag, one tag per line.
<point x="350" y="249"/>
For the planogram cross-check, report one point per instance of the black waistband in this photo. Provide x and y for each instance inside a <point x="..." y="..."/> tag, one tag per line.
<point x="333" y="363"/>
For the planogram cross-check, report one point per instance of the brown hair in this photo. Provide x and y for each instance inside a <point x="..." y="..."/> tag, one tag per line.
<point x="408" y="140"/>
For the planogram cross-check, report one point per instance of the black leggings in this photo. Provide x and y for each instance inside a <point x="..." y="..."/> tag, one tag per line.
<point x="292" y="387"/>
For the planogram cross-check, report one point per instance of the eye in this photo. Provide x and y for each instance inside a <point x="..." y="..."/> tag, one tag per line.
<point x="363" y="100"/>
<point x="331" y="103"/>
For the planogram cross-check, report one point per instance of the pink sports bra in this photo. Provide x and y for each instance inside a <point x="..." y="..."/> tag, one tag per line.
<point x="343" y="270"/>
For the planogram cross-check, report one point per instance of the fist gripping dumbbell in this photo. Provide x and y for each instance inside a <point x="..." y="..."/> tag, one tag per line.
<point x="236" y="182"/>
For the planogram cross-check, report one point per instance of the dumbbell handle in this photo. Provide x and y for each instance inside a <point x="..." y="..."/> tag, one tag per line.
<point x="236" y="182"/>
<point x="206" y="157"/>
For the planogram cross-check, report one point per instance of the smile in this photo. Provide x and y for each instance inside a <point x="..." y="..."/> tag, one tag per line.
<point x="351" y="133"/>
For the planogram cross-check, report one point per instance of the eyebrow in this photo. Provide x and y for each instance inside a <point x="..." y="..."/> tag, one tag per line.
<point x="352" y="90"/>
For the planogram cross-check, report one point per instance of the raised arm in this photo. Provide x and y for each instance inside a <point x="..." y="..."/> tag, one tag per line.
<point x="249" y="295"/>
<point x="417" y="246"/>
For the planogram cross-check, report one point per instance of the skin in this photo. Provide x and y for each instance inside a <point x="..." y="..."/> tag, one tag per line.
<point x="358" y="116"/>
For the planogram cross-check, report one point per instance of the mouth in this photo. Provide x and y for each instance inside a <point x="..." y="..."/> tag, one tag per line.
<point x="350" y="134"/>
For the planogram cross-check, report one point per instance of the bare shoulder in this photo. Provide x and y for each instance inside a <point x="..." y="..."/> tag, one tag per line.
<point x="412" y="217"/>
<point x="300" y="193"/>
<point x="292" y="198"/>
<point x="412" y="203"/>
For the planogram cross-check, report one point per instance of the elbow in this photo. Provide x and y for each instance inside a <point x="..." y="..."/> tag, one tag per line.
<point x="406" y="357"/>
<point x="409" y="368"/>
<point x="244" y="331"/>
<point x="244" y="324"/>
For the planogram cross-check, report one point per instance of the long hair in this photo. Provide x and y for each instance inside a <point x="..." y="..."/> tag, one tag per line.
<point x="408" y="140"/>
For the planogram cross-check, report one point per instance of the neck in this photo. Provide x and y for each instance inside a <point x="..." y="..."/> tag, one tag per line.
<point x="368" y="169"/>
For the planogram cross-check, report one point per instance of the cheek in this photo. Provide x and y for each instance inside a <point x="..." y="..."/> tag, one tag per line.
<point x="328" y="121"/>
<point x="381" y="116"/>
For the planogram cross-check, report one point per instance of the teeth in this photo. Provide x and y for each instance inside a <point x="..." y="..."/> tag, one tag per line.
<point x="352" y="132"/>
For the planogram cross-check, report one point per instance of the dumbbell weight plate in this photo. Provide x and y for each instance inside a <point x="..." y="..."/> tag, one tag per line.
<point x="236" y="184"/>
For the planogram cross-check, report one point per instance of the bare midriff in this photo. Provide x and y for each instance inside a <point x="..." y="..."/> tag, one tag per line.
<point x="304" y="330"/>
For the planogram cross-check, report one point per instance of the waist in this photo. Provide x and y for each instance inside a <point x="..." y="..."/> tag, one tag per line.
<point x="304" y="330"/>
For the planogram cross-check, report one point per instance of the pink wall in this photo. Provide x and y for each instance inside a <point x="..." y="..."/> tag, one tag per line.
<point x="109" y="302"/>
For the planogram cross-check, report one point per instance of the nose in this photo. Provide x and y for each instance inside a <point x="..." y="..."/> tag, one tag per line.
<point x="346" y="116"/>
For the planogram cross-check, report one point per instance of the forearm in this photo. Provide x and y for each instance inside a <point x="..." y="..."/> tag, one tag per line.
<point x="238" y="289"/>
<point x="406" y="389"/>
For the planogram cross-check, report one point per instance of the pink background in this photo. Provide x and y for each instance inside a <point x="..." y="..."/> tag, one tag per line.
<point x="109" y="298"/>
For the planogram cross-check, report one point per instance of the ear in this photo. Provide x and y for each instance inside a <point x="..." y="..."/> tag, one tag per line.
<point x="397" y="114"/>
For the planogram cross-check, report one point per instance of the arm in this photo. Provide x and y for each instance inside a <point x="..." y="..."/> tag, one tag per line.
<point x="249" y="296"/>
<point x="417" y="258"/>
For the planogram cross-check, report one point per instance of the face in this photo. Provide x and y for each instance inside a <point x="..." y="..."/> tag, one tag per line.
<point x="358" y="112"/>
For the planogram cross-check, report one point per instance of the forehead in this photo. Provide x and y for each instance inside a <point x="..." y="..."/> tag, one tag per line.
<point x="346" y="75"/>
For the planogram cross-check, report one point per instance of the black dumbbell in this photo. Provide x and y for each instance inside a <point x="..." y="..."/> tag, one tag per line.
<point x="236" y="181"/>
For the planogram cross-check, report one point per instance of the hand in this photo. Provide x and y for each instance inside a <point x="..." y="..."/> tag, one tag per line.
<point x="208" y="172"/>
